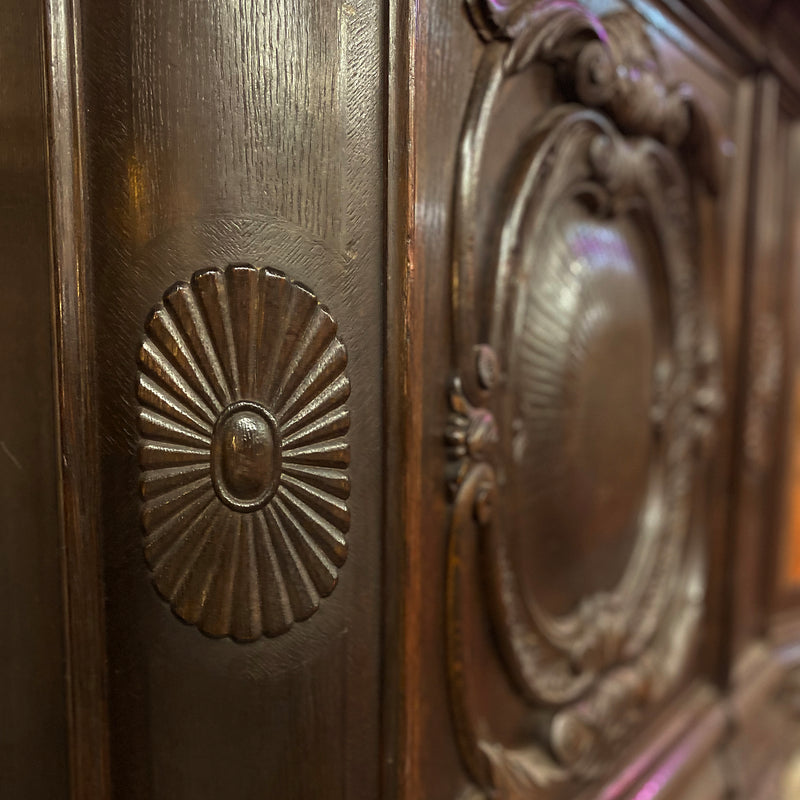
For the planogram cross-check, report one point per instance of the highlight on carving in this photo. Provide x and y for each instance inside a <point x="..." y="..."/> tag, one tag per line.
<point x="243" y="417"/>
<point x="586" y="265"/>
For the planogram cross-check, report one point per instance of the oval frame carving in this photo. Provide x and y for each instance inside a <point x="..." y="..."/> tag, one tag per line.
<point x="558" y="657"/>
<point x="589" y="674"/>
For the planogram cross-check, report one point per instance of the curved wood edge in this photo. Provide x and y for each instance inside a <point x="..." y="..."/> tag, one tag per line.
<point x="403" y="592"/>
<point x="84" y="618"/>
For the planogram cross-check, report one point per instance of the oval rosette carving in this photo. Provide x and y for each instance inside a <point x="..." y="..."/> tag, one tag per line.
<point x="244" y="464"/>
<point x="585" y="395"/>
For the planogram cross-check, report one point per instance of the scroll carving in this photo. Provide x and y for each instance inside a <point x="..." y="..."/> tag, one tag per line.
<point x="590" y="260"/>
<point x="244" y="462"/>
<point x="609" y="65"/>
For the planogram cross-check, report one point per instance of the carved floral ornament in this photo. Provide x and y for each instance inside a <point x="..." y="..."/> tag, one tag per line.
<point x="586" y="390"/>
<point x="244" y="464"/>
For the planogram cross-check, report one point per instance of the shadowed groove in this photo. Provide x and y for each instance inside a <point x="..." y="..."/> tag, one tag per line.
<point x="322" y="571"/>
<point x="160" y="454"/>
<point x="333" y="397"/>
<point x="322" y="374"/>
<point x="334" y="481"/>
<point x="165" y="335"/>
<point x="155" y="482"/>
<point x="319" y="331"/>
<point x="243" y="297"/>
<point x="274" y="315"/>
<point x="155" y="510"/>
<point x="303" y="594"/>
<point x="155" y="426"/>
<point x="332" y="454"/>
<point x="335" y="423"/>
<point x="161" y="538"/>
<point x="302" y="305"/>
<point x="182" y="303"/>
<point x="159" y="367"/>
<point x="328" y="506"/>
<point x="246" y="622"/>
<point x="151" y="394"/>
<point x="217" y="613"/>
<point x="210" y="287"/>
<point x="328" y="536"/>
<point x="208" y="560"/>
<point x="276" y="609"/>
<point x="171" y="557"/>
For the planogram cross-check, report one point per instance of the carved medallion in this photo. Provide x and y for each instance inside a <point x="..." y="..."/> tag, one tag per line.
<point x="587" y="384"/>
<point x="244" y="463"/>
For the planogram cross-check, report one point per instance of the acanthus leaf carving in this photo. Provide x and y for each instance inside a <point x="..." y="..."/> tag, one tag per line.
<point x="471" y="437"/>
<point x="609" y="64"/>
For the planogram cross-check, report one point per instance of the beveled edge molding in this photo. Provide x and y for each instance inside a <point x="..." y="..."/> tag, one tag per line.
<point x="244" y="461"/>
<point x="78" y="463"/>
<point x="610" y="67"/>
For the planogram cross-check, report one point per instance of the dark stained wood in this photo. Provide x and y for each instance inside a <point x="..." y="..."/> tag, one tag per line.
<point x="33" y="698"/>
<point x="84" y="618"/>
<point x="407" y="412"/>
<point x="217" y="135"/>
<point x="404" y="587"/>
<point x="722" y="82"/>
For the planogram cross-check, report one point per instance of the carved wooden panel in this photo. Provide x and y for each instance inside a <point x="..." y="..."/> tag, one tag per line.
<point x="585" y="394"/>
<point x="238" y="134"/>
<point x="555" y="341"/>
<point x="244" y="464"/>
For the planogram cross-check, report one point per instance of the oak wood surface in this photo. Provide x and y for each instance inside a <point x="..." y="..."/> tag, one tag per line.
<point x="247" y="132"/>
<point x="365" y="319"/>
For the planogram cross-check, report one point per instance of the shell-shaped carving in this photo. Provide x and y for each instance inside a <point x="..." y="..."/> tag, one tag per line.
<point x="243" y="393"/>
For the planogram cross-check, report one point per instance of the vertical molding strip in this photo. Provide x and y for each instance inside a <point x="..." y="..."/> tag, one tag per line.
<point x="73" y="346"/>
<point x="403" y="413"/>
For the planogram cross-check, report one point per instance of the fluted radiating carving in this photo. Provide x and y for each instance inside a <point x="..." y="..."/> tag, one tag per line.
<point x="244" y="477"/>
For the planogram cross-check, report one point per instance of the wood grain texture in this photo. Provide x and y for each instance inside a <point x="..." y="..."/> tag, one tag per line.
<point x="84" y="618"/>
<point x="440" y="73"/>
<point x="783" y="593"/>
<point x="757" y="403"/>
<point x="239" y="188"/>
<point x="274" y="76"/>
<point x="244" y="132"/>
